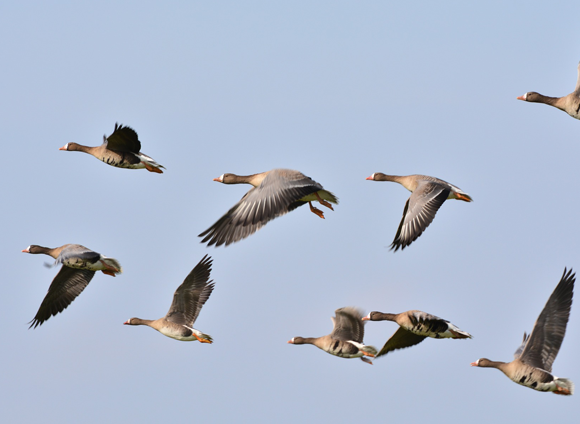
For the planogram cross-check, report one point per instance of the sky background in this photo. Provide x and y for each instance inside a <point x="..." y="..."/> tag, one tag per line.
<point x="337" y="90"/>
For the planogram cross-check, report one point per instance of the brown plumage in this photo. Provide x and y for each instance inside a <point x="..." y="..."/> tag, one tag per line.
<point x="122" y="149"/>
<point x="346" y="339"/>
<point x="79" y="265"/>
<point x="532" y="364"/>
<point x="428" y="194"/>
<point x="188" y="300"/>
<point x="415" y="326"/>
<point x="274" y="194"/>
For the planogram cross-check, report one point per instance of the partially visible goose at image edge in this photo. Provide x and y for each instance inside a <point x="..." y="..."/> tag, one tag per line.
<point x="79" y="265"/>
<point x="122" y="149"/>
<point x="532" y="364"/>
<point x="569" y="103"/>
<point x="415" y="326"/>
<point x="274" y="193"/>
<point x="428" y="194"/>
<point x="188" y="300"/>
<point x="346" y="339"/>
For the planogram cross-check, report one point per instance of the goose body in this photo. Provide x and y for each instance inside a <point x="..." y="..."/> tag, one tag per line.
<point x="346" y="339"/>
<point x="188" y="300"/>
<point x="569" y="103"/>
<point x="414" y="327"/>
<point x="428" y="194"/>
<point x="274" y="193"/>
<point x="79" y="265"/>
<point x="532" y="364"/>
<point x="121" y="149"/>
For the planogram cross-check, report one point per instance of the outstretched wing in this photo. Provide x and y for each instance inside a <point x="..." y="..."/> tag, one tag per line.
<point x="278" y="193"/>
<point x="192" y="294"/>
<point x="400" y="340"/>
<point x="419" y="212"/>
<point x="66" y="286"/>
<point x="546" y="338"/>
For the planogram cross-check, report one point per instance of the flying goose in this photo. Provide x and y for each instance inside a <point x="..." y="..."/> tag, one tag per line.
<point x="188" y="300"/>
<point x="79" y="265"/>
<point x="532" y="364"/>
<point x="415" y="326"/>
<point x="121" y="149"/>
<point x="569" y="104"/>
<point x="346" y="339"/>
<point x="428" y="194"/>
<point x="274" y="193"/>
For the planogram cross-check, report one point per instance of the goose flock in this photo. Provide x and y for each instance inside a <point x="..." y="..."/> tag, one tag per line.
<point x="279" y="191"/>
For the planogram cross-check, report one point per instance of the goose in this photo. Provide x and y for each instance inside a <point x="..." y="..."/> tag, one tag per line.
<point x="415" y="326"/>
<point x="569" y="104"/>
<point x="428" y="194"/>
<point x="532" y="364"/>
<point x="346" y="339"/>
<point x="79" y="265"/>
<point x="188" y="300"/>
<point x="274" y="193"/>
<point x="121" y="149"/>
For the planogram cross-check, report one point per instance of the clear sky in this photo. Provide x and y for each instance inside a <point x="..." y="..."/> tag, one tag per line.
<point x="337" y="90"/>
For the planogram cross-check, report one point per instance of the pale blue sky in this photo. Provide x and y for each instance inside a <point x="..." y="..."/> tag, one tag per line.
<point x="337" y="90"/>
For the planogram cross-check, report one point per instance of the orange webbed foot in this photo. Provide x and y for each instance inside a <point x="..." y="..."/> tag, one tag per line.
<point x="316" y="211"/>
<point x="152" y="168"/>
<point x="106" y="271"/>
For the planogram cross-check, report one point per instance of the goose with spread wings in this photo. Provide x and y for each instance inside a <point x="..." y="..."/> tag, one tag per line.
<point x="121" y="149"/>
<point x="532" y="364"/>
<point x="79" y="265"/>
<point x="274" y="193"/>
<point x="428" y="194"/>
<point x="346" y="339"/>
<point x="188" y="300"/>
<point x="414" y="327"/>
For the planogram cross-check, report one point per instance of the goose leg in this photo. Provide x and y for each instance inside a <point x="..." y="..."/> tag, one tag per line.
<point x="315" y="210"/>
<point x="200" y="339"/>
<point x="109" y="270"/>
<point x="323" y="202"/>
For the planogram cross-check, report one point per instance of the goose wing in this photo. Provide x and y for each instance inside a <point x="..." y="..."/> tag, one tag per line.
<point x="400" y="340"/>
<point x="546" y="338"/>
<point x="66" y="286"/>
<point x="348" y="325"/>
<point x="124" y="139"/>
<point x="192" y="294"/>
<point x="419" y="212"/>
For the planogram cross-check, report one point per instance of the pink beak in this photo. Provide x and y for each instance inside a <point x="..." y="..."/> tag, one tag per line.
<point x="26" y="251"/>
<point x="369" y="178"/>
<point x="521" y="98"/>
<point x="473" y="364"/>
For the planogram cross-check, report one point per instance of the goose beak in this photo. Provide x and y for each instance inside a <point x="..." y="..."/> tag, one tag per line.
<point x="474" y="364"/>
<point x="521" y="97"/>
